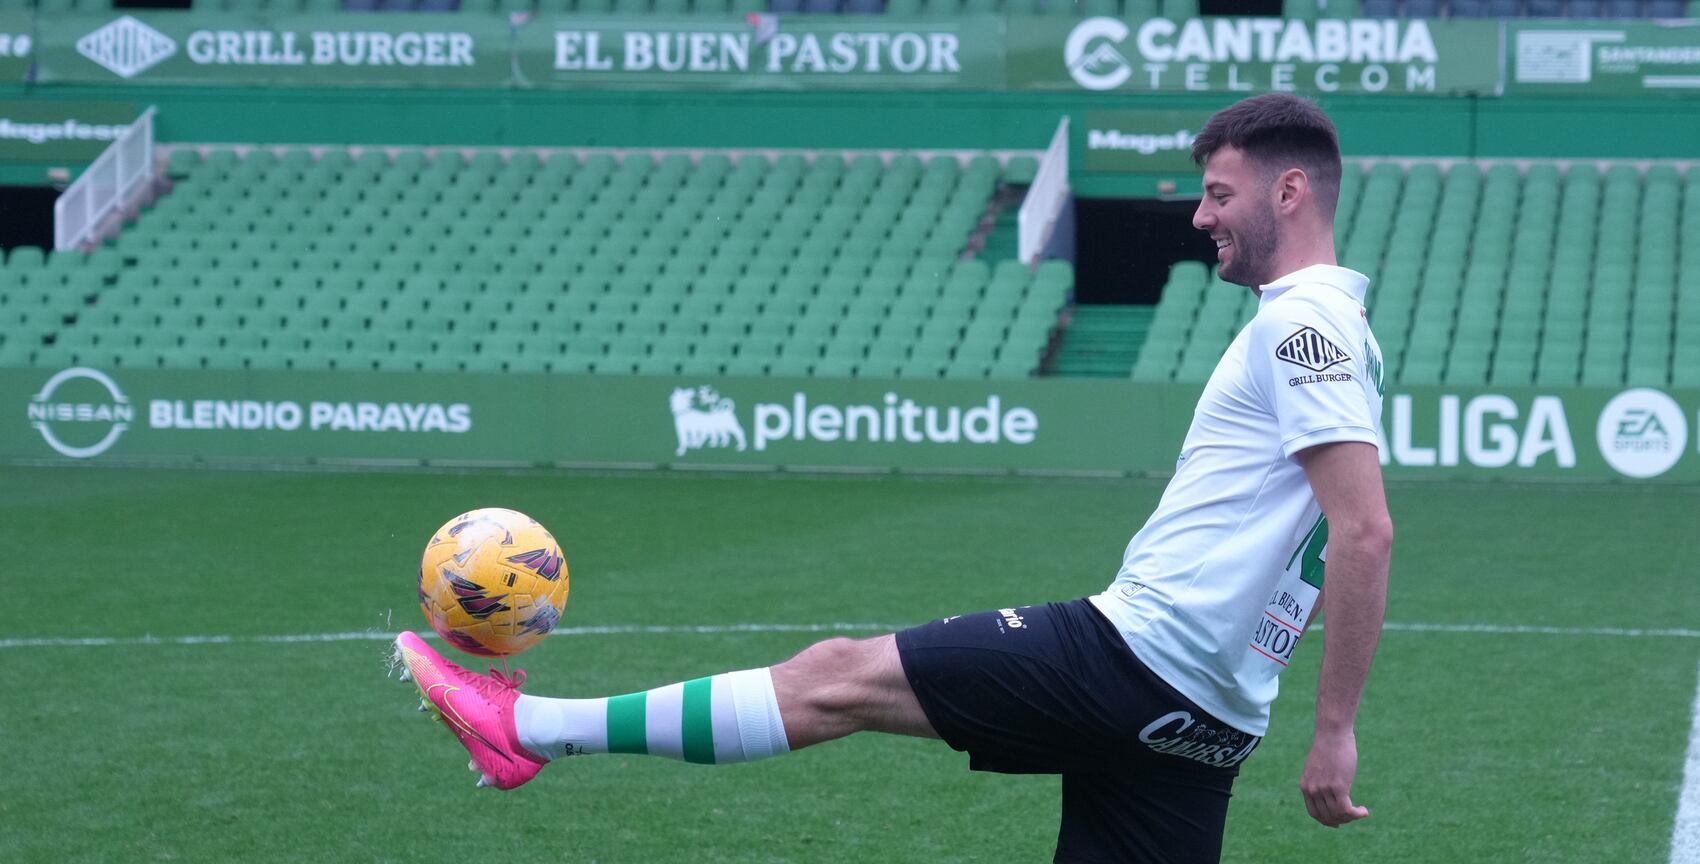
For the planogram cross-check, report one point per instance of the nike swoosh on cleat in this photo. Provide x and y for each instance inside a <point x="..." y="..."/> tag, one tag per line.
<point x="460" y="722"/>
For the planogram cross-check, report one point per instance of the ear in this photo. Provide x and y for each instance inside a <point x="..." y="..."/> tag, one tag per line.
<point x="1292" y="190"/>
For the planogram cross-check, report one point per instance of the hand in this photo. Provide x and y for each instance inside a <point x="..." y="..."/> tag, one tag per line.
<point x="1327" y="780"/>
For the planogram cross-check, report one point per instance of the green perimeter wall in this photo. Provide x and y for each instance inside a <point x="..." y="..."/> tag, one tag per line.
<point x="1480" y="127"/>
<point x="1053" y="425"/>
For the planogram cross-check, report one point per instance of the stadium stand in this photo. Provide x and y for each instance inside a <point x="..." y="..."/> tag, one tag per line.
<point x="578" y="262"/>
<point x="1498" y="274"/>
<point x="1485" y="274"/>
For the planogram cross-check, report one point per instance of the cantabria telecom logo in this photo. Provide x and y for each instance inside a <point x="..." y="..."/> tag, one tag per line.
<point x="1642" y="432"/>
<point x="80" y="412"/>
<point x="1091" y="55"/>
<point x="1253" y="54"/>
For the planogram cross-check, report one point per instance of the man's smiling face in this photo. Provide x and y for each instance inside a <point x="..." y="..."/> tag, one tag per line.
<point x="1238" y="212"/>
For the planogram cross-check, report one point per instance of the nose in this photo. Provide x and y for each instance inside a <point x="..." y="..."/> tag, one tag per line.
<point x="1203" y="218"/>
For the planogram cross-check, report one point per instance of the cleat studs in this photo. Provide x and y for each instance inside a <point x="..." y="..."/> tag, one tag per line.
<point x="405" y="674"/>
<point x="484" y="781"/>
<point x="471" y="765"/>
<point x="424" y="706"/>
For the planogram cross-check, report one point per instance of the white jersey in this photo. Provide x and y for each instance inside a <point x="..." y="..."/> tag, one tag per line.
<point x="1216" y="589"/>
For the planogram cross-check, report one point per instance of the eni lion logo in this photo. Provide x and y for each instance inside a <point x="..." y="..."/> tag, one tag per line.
<point x="704" y="418"/>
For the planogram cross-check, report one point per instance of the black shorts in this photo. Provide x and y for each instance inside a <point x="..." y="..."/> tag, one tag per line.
<point x="1053" y="689"/>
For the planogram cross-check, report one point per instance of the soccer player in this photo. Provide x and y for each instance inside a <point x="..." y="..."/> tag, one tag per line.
<point x="1147" y="697"/>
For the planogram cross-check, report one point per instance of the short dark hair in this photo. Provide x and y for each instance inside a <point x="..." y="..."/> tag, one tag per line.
<point x="1278" y="131"/>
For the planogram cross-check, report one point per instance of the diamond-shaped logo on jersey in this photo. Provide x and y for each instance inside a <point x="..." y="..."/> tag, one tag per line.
<point x="1311" y="350"/>
<point x="127" y="47"/>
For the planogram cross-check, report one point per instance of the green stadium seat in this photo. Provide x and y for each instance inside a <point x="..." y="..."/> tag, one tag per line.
<point x="182" y="163"/>
<point x="1020" y="170"/>
<point x="369" y="253"/>
<point x="25" y="258"/>
<point x="924" y="367"/>
<point x="791" y="364"/>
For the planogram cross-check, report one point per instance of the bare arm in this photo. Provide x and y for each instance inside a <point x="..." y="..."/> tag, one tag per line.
<point x="1346" y="479"/>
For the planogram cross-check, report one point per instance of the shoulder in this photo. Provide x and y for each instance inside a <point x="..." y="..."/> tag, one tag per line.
<point x="1314" y="299"/>
<point x="1320" y="307"/>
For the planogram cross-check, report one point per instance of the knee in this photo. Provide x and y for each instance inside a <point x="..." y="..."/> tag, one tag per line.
<point x="841" y="686"/>
<point x="828" y="676"/>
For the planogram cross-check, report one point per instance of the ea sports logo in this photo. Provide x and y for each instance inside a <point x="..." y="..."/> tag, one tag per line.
<point x="80" y="412"/>
<point x="1091" y="56"/>
<point x="1642" y="432"/>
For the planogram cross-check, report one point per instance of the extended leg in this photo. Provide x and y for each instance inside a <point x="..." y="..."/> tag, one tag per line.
<point x="827" y="691"/>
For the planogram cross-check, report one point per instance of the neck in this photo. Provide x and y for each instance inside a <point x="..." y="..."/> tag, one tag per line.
<point x="1306" y="250"/>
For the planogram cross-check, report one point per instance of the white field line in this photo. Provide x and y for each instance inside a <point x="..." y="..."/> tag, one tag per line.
<point x="382" y="636"/>
<point x="838" y="627"/>
<point x="1685" y="837"/>
<point x="1537" y="630"/>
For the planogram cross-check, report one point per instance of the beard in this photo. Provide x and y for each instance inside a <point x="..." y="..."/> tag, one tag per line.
<point x="1254" y="249"/>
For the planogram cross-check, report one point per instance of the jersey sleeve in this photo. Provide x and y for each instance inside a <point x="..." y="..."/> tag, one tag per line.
<point x="1311" y="372"/>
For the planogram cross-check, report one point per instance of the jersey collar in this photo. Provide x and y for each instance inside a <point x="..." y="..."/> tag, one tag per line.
<point x="1353" y="283"/>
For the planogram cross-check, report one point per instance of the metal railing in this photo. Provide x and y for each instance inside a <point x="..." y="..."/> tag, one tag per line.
<point x="110" y="181"/>
<point x="1045" y="198"/>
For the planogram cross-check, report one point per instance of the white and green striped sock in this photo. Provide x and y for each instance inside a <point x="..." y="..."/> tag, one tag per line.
<point x="730" y="717"/>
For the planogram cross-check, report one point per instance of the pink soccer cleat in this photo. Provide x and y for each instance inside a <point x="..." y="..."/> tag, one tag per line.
<point x="477" y="708"/>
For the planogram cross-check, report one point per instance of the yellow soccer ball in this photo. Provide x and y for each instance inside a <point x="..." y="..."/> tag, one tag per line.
<point x="492" y="582"/>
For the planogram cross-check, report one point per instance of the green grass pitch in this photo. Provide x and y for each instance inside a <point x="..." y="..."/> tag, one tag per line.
<point x="1557" y="746"/>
